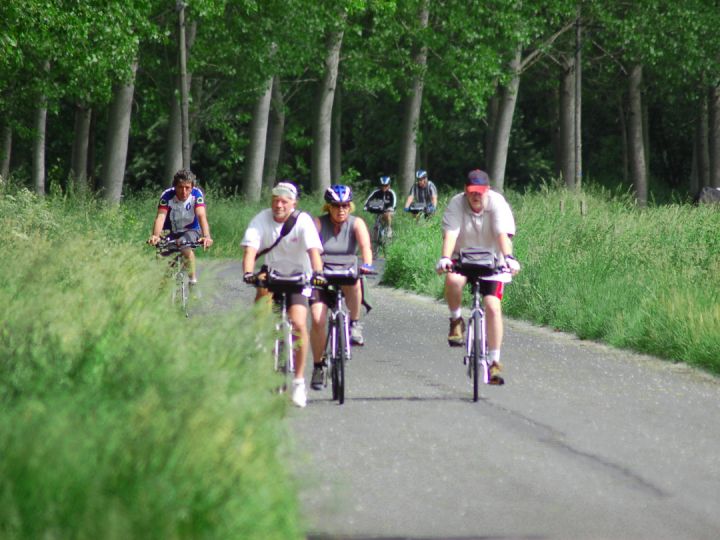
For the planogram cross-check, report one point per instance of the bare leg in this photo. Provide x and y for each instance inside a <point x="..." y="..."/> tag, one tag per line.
<point x="318" y="335"/>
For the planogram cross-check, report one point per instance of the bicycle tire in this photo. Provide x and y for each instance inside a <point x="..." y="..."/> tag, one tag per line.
<point x="333" y="357"/>
<point x="477" y="354"/>
<point x="342" y="342"/>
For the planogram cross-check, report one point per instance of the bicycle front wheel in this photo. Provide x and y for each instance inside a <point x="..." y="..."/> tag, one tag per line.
<point x="478" y="351"/>
<point x="341" y="355"/>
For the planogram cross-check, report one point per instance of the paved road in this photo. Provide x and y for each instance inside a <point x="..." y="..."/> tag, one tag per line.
<point x="583" y="442"/>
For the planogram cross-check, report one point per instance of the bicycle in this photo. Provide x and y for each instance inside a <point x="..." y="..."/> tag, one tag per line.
<point x="380" y="232"/>
<point x="281" y="285"/>
<point x="477" y="266"/>
<point x="168" y="247"/>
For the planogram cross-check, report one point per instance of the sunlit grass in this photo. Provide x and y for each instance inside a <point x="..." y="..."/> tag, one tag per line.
<point x="120" y="417"/>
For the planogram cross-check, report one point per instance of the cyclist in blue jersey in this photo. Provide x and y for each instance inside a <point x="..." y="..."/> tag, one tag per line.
<point x="181" y="210"/>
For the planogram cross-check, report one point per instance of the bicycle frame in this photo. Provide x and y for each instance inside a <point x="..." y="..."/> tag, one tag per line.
<point x="180" y="293"/>
<point x="379" y="233"/>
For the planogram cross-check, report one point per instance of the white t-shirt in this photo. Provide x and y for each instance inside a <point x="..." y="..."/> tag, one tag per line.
<point x="290" y="255"/>
<point x="479" y="230"/>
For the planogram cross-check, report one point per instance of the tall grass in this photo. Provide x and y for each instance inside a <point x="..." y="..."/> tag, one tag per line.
<point x="120" y="418"/>
<point x="640" y="279"/>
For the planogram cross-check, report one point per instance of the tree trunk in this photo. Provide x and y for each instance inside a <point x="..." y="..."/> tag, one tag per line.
<point x="703" y="159"/>
<point x="506" y="111"/>
<point x="38" y="160"/>
<point x="196" y="91"/>
<point x="91" y="151"/>
<point x="255" y="153"/>
<point x="79" y="159"/>
<point x="173" y="142"/>
<point x="6" y="152"/>
<point x="624" y="138"/>
<point x="578" y="101"/>
<point x="117" y="144"/>
<point x="714" y="135"/>
<point x="320" y="166"/>
<point x="411" y="115"/>
<point x="183" y="80"/>
<point x="493" y="106"/>
<point x="276" y="133"/>
<point x="567" y="124"/>
<point x="638" y="169"/>
<point x="336" y="138"/>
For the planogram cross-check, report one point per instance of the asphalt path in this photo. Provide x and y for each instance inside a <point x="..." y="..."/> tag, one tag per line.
<point x="582" y="442"/>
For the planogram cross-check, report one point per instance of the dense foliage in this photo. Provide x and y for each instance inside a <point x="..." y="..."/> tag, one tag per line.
<point x="73" y="53"/>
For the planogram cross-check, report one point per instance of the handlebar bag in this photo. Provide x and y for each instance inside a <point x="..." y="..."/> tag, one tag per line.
<point x="376" y="206"/>
<point x="477" y="260"/>
<point x="417" y="206"/>
<point x="288" y="282"/>
<point x="340" y="269"/>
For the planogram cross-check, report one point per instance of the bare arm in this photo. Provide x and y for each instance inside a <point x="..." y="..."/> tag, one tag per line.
<point x="201" y="214"/>
<point x="363" y="239"/>
<point x="157" y="227"/>
<point x="249" y="259"/>
<point x="315" y="259"/>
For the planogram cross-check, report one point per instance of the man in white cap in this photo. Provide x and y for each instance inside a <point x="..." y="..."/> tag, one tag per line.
<point x="297" y="252"/>
<point x="479" y="218"/>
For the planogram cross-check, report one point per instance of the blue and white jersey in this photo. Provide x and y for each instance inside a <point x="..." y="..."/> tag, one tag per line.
<point x="181" y="214"/>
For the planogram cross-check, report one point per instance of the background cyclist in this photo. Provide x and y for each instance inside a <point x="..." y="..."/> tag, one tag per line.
<point x="424" y="192"/>
<point x="341" y="234"/>
<point x="385" y="194"/>
<point x="182" y="211"/>
<point x="298" y="252"/>
<point x="482" y="218"/>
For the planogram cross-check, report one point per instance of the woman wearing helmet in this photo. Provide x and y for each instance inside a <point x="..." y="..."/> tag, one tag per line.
<point x="341" y="234"/>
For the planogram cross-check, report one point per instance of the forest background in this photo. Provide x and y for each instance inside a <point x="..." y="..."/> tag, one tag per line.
<point x="113" y="97"/>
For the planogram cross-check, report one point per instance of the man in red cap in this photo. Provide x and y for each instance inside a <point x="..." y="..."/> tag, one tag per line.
<point x="478" y="218"/>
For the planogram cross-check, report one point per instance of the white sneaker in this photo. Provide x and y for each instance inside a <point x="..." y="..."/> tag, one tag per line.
<point x="299" y="393"/>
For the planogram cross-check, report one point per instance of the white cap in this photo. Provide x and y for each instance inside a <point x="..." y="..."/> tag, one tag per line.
<point x="285" y="189"/>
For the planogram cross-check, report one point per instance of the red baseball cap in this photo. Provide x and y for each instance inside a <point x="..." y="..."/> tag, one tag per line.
<point x="477" y="181"/>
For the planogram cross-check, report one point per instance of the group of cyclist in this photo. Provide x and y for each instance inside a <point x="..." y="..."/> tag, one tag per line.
<point x="293" y="242"/>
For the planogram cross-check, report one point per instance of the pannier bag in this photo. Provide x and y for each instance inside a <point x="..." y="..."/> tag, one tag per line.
<point x="340" y="269"/>
<point x="477" y="261"/>
<point x="375" y="206"/>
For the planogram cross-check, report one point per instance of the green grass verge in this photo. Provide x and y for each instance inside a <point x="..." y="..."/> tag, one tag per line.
<point x="121" y="418"/>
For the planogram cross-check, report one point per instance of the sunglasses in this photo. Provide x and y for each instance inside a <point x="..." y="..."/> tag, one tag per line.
<point x="344" y="205"/>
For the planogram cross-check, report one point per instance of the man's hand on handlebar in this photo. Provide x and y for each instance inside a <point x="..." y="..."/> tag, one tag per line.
<point x="367" y="269"/>
<point x="153" y="240"/>
<point x="444" y="265"/>
<point x="512" y="264"/>
<point x="206" y="242"/>
<point x="249" y="278"/>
